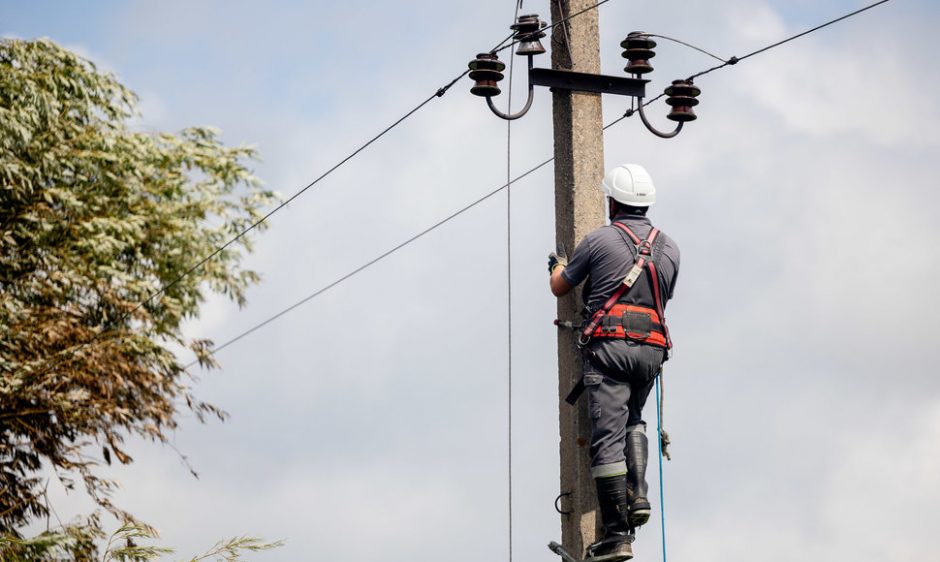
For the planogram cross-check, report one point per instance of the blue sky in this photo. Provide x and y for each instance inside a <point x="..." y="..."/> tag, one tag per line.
<point x="802" y="399"/>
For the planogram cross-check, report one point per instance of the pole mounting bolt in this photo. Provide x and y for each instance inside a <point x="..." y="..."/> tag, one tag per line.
<point x="486" y="70"/>
<point x="638" y="48"/>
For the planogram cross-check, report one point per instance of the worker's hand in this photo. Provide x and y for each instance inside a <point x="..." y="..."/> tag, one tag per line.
<point x="556" y="259"/>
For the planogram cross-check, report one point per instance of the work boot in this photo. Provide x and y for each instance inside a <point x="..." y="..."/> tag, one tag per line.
<point x="617" y="539"/>
<point x="637" y="453"/>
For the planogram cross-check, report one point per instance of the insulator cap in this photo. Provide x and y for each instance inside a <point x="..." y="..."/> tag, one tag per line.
<point x="638" y="48"/>
<point x="486" y="70"/>
<point x="638" y="40"/>
<point x="528" y="30"/>
<point x="681" y="97"/>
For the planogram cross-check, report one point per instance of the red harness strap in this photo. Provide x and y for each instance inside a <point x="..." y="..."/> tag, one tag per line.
<point x="654" y="280"/>
<point x="643" y="260"/>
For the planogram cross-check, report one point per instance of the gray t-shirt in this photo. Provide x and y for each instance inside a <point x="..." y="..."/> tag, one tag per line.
<point x="604" y="258"/>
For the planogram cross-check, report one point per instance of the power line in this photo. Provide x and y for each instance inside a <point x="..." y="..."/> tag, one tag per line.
<point x="689" y="45"/>
<point x="75" y="349"/>
<point x="817" y="28"/>
<point x="374" y="260"/>
<point x="394" y="249"/>
<point x="515" y="18"/>
<point x="736" y="60"/>
<point x="567" y="33"/>
<point x="629" y="113"/>
<point x="438" y="93"/>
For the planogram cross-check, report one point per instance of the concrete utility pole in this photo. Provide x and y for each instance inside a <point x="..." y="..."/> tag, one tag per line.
<point x="579" y="208"/>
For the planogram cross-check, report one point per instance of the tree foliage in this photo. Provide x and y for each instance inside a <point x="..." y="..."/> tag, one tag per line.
<point x="96" y="217"/>
<point x="78" y="542"/>
<point x="75" y="542"/>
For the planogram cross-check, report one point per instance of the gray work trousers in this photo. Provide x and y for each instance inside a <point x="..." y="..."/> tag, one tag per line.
<point x="618" y="380"/>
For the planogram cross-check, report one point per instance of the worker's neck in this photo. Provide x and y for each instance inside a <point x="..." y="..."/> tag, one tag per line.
<point x="628" y="214"/>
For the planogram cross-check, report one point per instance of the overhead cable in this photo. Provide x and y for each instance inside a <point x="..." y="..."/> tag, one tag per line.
<point x="162" y="290"/>
<point x="438" y="93"/>
<point x="629" y="113"/>
<point x="398" y="247"/>
<point x="736" y="60"/>
<point x="373" y="261"/>
<point x="515" y="18"/>
<point x="689" y="45"/>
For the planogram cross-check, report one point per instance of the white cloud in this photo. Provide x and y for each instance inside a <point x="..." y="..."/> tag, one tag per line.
<point x="882" y="489"/>
<point x="378" y="410"/>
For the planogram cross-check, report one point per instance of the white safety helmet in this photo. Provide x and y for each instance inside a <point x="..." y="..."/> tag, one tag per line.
<point x="630" y="184"/>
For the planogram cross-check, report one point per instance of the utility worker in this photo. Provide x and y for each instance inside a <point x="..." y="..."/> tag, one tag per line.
<point x="631" y="270"/>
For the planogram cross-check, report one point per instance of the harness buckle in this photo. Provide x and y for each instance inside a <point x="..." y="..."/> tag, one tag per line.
<point x="634" y="274"/>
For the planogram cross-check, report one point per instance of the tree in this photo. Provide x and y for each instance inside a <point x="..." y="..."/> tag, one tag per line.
<point x="96" y="218"/>
<point x="77" y="543"/>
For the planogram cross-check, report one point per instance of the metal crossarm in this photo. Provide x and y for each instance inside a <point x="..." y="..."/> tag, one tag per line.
<point x="587" y="82"/>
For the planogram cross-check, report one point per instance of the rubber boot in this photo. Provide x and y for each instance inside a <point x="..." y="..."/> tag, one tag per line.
<point x="617" y="539"/>
<point x="637" y="453"/>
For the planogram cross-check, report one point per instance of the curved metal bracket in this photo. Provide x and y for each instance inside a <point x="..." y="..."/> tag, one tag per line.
<point x="558" y="503"/>
<point x="521" y="112"/>
<point x="653" y="129"/>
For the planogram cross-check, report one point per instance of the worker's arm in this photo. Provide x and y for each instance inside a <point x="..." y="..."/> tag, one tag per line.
<point x="566" y="275"/>
<point x="557" y="262"/>
<point x="559" y="286"/>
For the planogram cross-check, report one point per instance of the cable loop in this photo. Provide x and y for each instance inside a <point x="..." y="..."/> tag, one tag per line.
<point x="656" y="131"/>
<point x="521" y="112"/>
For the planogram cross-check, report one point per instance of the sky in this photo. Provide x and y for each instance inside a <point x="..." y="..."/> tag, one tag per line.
<point x="802" y="400"/>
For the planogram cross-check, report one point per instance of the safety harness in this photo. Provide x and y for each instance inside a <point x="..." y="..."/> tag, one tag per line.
<point x="626" y="321"/>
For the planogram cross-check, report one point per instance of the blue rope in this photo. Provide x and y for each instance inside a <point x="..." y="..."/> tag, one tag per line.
<point x="659" y="447"/>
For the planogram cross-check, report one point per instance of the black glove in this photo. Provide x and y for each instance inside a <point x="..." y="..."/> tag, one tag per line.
<point x="557" y="258"/>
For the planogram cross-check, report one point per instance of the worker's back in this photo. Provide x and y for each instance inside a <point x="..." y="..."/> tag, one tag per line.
<point x="605" y="256"/>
